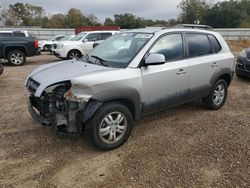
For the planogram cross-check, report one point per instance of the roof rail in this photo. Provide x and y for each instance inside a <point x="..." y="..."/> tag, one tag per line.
<point x="193" y="26"/>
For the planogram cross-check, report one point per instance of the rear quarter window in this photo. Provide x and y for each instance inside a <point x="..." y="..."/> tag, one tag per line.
<point x="198" y="44"/>
<point x="215" y="44"/>
<point x="19" y="34"/>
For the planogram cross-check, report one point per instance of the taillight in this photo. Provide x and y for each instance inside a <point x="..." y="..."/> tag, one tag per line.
<point x="36" y="43"/>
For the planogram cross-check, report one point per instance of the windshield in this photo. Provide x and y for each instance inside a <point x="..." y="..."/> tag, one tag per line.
<point x="65" y="38"/>
<point x="120" y="49"/>
<point x="78" y="37"/>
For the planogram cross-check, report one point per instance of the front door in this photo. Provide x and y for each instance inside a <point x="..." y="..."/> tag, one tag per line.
<point x="166" y="85"/>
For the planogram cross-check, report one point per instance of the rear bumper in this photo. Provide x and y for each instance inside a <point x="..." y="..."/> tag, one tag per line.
<point x="243" y="73"/>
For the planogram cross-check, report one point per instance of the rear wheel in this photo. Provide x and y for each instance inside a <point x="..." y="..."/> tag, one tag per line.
<point x="111" y="126"/>
<point x="218" y="95"/>
<point x="74" y="54"/>
<point x="16" y="58"/>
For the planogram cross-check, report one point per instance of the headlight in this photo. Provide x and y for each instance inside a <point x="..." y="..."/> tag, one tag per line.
<point x="59" y="46"/>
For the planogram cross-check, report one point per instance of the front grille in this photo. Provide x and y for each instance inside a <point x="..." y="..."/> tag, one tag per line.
<point x="55" y="46"/>
<point x="32" y="85"/>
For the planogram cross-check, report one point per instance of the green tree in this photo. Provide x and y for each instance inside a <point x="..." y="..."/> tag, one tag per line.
<point x="128" y="21"/>
<point x="109" y="22"/>
<point x="91" y="20"/>
<point x="193" y="10"/>
<point x="57" y="21"/>
<point x="75" y="18"/>
<point x="20" y="14"/>
<point x="226" y="14"/>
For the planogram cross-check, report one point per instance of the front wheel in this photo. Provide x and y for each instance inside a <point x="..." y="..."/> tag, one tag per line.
<point x="218" y="95"/>
<point x="74" y="54"/>
<point x="111" y="126"/>
<point x="16" y="58"/>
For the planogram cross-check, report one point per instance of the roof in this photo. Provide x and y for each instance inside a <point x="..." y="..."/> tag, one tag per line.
<point x="160" y="30"/>
<point x="146" y="30"/>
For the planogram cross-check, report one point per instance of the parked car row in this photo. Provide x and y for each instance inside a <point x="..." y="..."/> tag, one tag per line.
<point x="80" y="45"/>
<point x="46" y="45"/>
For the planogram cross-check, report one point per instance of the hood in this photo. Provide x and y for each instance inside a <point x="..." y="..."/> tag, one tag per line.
<point x="44" y="41"/>
<point x="69" y="42"/>
<point x="53" y="73"/>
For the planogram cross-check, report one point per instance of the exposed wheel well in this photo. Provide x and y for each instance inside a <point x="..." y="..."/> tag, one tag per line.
<point x="227" y="78"/>
<point x="129" y="104"/>
<point x="20" y="48"/>
<point x="126" y="102"/>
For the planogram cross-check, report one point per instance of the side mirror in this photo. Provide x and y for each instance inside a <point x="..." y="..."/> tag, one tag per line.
<point x="85" y="40"/>
<point x="155" y="59"/>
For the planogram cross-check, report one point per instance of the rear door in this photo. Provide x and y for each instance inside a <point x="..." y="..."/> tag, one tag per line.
<point x="203" y="64"/>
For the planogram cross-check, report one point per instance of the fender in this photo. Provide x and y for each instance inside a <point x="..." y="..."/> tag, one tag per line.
<point x="219" y="73"/>
<point x="13" y="46"/>
<point x="127" y="93"/>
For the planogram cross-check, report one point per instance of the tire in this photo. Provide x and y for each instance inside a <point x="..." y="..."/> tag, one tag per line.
<point x="74" y="54"/>
<point x="105" y="134"/>
<point x="46" y="48"/>
<point x="238" y="75"/>
<point x="16" y="58"/>
<point x="217" y="96"/>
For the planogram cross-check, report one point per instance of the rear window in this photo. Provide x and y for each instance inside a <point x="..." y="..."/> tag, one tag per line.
<point x="198" y="45"/>
<point x="215" y="44"/>
<point x="5" y="34"/>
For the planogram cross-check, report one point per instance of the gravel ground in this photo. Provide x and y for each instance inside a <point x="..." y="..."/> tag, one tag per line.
<point x="187" y="146"/>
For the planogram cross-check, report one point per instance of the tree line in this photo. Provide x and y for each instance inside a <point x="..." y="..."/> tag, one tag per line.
<point x="223" y="14"/>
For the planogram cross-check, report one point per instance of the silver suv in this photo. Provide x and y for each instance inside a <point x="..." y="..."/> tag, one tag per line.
<point x="129" y="75"/>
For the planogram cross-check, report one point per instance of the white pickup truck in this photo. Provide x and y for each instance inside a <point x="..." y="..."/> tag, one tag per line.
<point x="80" y="44"/>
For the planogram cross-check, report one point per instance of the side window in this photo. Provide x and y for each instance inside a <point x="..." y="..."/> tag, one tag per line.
<point x="215" y="44"/>
<point x="18" y="34"/>
<point x="171" y="46"/>
<point x="105" y="35"/>
<point x="92" y="37"/>
<point x="5" y="34"/>
<point x="59" y="37"/>
<point x="198" y="45"/>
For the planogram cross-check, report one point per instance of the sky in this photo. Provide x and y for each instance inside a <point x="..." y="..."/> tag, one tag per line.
<point x="149" y="9"/>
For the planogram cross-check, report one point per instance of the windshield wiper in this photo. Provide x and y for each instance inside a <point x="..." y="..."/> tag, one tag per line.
<point x="102" y="61"/>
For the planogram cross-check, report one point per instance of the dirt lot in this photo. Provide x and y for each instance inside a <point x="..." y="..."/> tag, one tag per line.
<point x="187" y="146"/>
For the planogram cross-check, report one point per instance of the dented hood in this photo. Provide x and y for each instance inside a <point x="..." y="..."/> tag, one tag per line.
<point x="53" y="73"/>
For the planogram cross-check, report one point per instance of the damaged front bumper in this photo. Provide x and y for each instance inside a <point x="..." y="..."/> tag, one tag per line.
<point x="68" y="121"/>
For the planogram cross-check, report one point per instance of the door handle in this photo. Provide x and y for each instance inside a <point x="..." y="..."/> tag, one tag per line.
<point x="214" y="65"/>
<point x="181" y="71"/>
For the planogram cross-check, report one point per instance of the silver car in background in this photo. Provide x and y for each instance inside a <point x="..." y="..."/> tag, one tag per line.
<point x="129" y="75"/>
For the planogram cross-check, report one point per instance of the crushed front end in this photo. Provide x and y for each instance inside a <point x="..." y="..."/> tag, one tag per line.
<point x="55" y="107"/>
